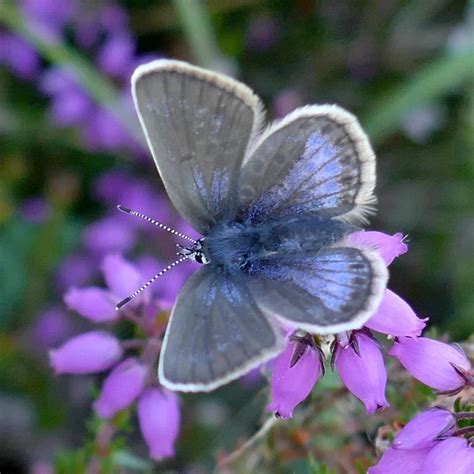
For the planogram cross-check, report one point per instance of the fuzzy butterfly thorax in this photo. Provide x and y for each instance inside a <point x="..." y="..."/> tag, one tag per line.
<point x="236" y="247"/>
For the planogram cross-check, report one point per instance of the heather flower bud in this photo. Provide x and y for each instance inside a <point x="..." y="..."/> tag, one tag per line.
<point x="440" y="366"/>
<point x="422" y="431"/>
<point x="362" y="371"/>
<point x="121" y="276"/>
<point x="90" y="352"/>
<point x="293" y="381"/>
<point x="395" y="317"/>
<point x="121" y="387"/>
<point x="388" y="246"/>
<point x="159" y="418"/>
<point x="452" y="455"/>
<point x="396" y="461"/>
<point x="93" y="303"/>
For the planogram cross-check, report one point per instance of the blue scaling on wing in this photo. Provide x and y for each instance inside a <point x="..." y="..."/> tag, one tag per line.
<point x="198" y="125"/>
<point x="315" y="161"/>
<point x="336" y="289"/>
<point x="216" y="333"/>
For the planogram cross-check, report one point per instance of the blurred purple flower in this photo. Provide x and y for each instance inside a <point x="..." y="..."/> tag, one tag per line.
<point x="109" y="234"/>
<point x="292" y="382"/>
<point x="406" y="461"/>
<point x="285" y="102"/>
<point x="35" y="210"/>
<point x="19" y="56"/>
<point x="87" y="353"/>
<point x="121" y="387"/>
<point x="98" y="304"/>
<point x="52" y="326"/>
<point x="116" y="56"/>
<point x="263" y="33"/>
<point x="421" y="432"/>
<point x="113" y="18"/>
<point x="453" y="455"/>
<point x="440" y="366"/>
<point x="159" y="418"/>
<point x="75" y="270"/>
<point x="362" y="370"/>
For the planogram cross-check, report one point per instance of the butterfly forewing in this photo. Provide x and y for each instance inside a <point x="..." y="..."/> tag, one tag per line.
<point x="216" y="333"/>
<point x="336" y="289"/>
<point x="198" y="125"/>
<point x="316" y="160"/>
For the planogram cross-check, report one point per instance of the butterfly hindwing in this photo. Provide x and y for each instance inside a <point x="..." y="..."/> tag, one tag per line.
<point x="198" y="125"/>
<point x="315" y="160"/>
<point x="335" y="290"/>
<point x="216" y="333"/>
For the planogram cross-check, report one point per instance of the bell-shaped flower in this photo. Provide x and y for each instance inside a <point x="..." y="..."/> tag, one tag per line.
<point x="388" y="246"/>
<point x="441" y="366"/>
<point x="395" y="317"/>
<point x="87" y="353"/>
<point x="423" y="430"/>
<point x="159" y="418"/>
<point x="396" y="461"/>
<point x="362" y="370"/>
<point x="98" y="304"/>
<point x="121" y="387"/>
<point x="453" y="455"/>
<point x="293" y="380"/>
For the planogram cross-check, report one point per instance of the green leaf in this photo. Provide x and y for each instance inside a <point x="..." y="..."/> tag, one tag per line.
<point x="131" y="461"/>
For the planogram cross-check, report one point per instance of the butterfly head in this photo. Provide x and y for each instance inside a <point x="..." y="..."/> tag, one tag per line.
<point x="196" y="252"/>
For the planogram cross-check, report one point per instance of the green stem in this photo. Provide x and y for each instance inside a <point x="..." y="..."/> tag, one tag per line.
<point x="101" y="89"/>
<point x="198" y="30"/>
<point x="432" y="81"/>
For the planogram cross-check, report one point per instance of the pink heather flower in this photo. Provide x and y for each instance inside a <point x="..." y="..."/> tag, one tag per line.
<point x="93" y="303"/>
<point x="98" y="304"/>
<point x="362" y="371"/>
<point x="121" y="387"/>
<point x="159" y="418"/>
<point x="110" y="234"/>
<point x="388" y="246"/>
<point x="405" y="461"/>
<point x="291" y="385"/>
<point x="422" y="431"/>
<point x="452" y="455"/>
<point x="433" y="363"/>
<point x="395" y="317"/>
<point x="87" y="353"/>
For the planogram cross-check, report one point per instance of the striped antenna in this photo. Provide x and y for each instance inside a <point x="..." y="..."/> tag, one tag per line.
<point x="126" y="210"/>
<point x="148" y="283"/>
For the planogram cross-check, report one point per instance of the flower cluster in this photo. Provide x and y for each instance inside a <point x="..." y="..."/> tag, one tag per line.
<point x="430" y="443"/>
<point x="358" y="357"/>
<point x="102" y="33"/>
<point x="132" y="379"/>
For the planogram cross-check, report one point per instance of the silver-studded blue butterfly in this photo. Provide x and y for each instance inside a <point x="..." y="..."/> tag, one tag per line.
<point x="274" y="208"/>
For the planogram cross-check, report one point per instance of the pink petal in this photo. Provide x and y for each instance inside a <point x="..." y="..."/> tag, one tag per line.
<point x="121" y="276"/>
<point x="364" y="374"/>
<point x="421" y="431"/>
<point x="121" y="387"/>
<point x="291" y="385"/>
<point x="395" y="317"/>
<point x="87" y="353"/>
<point x="400" y="461"/>
<point x="452" y="455"/>
<point x="93" y="303"/>
<point x="389" y="246"/>
<point x="431" y="362"/>
<point x="159" y="418"/>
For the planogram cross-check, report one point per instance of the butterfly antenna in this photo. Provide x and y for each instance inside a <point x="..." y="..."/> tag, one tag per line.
<point x="148" y="283"/>
<point x="126" y="210"/>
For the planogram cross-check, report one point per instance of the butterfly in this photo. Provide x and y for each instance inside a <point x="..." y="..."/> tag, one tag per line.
<point x="274" y="207"/>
